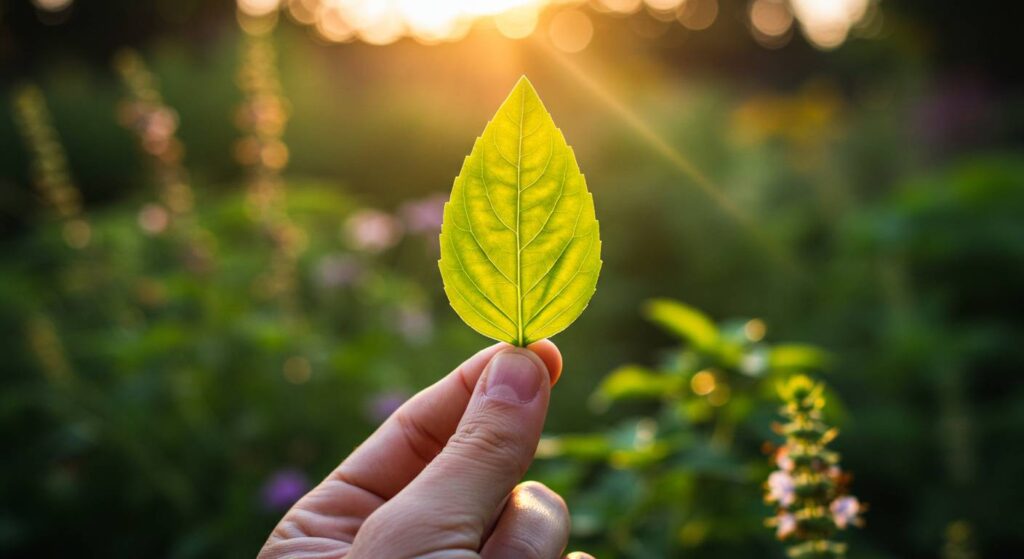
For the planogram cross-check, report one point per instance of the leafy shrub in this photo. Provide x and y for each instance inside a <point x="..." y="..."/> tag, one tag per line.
<point x="686" y="474"/>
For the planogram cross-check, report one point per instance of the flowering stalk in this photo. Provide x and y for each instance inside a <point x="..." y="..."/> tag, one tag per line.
<point x="262" y="117"/>
<point x="49" y="165"/>
<point x="809" y="488"/>
<point x="44" y="342"/>
<point x="154" y="124"/>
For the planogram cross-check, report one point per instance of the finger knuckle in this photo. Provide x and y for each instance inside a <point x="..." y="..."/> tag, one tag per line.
<point x="491" y="442"/>
<point x="524" y="548"/>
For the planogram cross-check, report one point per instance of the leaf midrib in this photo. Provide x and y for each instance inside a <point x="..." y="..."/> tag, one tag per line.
<point x="519" y="220"/>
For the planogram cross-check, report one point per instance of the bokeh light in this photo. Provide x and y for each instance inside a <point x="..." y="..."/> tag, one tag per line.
<point x="698" y="15"/>
<point x="297" y="370"/>
<point x="258" y="7"/>
<point x="381" y="22"/>
<point x="52" y="5"/>
<point x="571" y="30"/>
<point x="153" y="219"/>
<point x="77" y="233"/>
<point x="755" y="329"/>
<point x="703" y="383"/>
<point x="771" y="22"/>
<point x="825" y="23"/>
<point x="518" y="23"/>
<point x="664" y="5"/>
<point x="619" y="6"/>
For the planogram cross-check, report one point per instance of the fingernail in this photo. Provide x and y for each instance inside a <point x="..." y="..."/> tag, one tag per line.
<point x="513" y="377"/>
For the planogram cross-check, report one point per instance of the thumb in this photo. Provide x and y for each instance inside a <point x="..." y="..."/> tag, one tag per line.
<point x="460" y="493"/>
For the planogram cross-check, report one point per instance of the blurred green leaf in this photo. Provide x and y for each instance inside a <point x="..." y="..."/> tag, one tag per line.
<point x="798" y="357"/>
<point x="587" y="447"/>
<point x="684" y="321"/>
<point x="633" y="381"/>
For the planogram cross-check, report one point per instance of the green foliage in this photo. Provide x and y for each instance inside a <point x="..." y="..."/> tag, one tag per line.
<point x="684" y="476"/>
<point x="149" y="379"/>
<point x="686" y="322"/>
<point x="520" y="248"/>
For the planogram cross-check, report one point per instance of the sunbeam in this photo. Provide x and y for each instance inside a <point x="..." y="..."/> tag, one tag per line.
<point x="678" y="161"/>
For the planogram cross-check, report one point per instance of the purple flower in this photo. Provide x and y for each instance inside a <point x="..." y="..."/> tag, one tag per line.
<point x="384" y="404"/>
<point x="424" y="215"/>
<point x="953" y="112"/>
<point x="781" y="488"/>
<point x="414" y="324"/>
<point x="283" y="489"/>
<point x="845" y="510"/>
<point x="373" y="230"/>
<point x="338" y="270"/>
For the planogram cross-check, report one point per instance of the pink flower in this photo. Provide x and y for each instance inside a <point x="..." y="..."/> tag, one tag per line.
<point x="845" y="510"/>
<point x="414" y="324"/>
<point x="424" y="215"/>
<point x="781" y="488"/>
<point x="153" y="219"/>
<point x="373" y="230"/>
<point x="785" y="525"/>
<point x="782" y="459"/>
<point x="338" y="270"/>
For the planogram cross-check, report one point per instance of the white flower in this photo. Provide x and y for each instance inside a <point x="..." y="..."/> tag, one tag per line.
<point x="755" y="363"/>
<point x="785" y="525"/>
<point x="781" y="488"/>
<point x="845" y="511"/>
<point x="373" y="230"/>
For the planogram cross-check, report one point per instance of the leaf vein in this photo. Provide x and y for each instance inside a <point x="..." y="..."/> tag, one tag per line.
<point x="564" y="287"/>
<point x="554" y="206"/>
<point x="465" y="272"/>
<point x="480" y="245"/>
<point x="565" y="249"/>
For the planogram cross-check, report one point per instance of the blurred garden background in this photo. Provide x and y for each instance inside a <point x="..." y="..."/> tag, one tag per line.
<point x="219" y="241"/>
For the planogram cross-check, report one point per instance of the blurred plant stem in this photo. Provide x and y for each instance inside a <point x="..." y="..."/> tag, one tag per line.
<point x="49" y="166"/>
<point x="262" y="117"/>
<point x="154" y="124"/>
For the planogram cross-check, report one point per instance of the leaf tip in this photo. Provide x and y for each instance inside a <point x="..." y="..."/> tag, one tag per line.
<point x="524" y="87"/>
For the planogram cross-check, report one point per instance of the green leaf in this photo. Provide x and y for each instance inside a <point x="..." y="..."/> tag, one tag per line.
<point x="520" y="249"/>
<point x="632" y="381"/>
<point x="798" y="357"/>
<point x="684" y="321"/>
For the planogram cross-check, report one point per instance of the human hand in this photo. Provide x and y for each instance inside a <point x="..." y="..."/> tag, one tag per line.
<point x="440" y="478"/>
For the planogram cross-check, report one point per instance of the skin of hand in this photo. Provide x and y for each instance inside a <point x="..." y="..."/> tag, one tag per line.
<point x="440" y="478"/>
